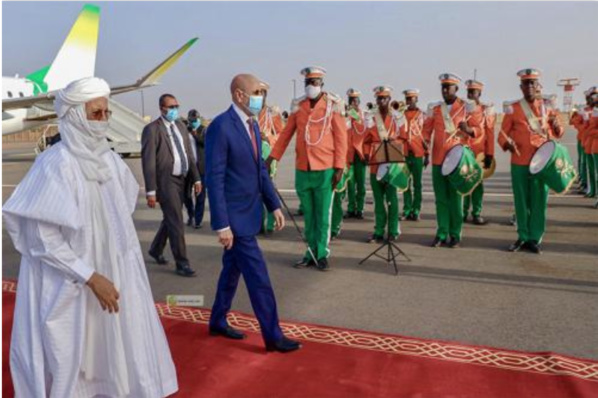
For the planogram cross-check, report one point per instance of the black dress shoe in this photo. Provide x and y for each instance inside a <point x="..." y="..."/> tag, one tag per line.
<point x="518" y="245"/>
<point x="198" y="226"/>
<point x="393" y="238"/>
<point x="323" y="265"/>
<point x="335" y="235"/>
<point x="160" y="259"/>
<point x="359" y="215"/>
<point x="284" y="345"/>
<point x="227" y="332"/>
<point x="415" y="217"/>
<point x="189" y="222"/>
<point x="437" y="242"/>
<point x="375" y="238"/>
<point x="350" y="214"/>
<point x="479" y="220"/>
<point x="304" y="262"/>
<point x="184" y="270"/>
<point x="465" y="216"/>
<point x="454" y="243"/>
<point x="534" y="247"/>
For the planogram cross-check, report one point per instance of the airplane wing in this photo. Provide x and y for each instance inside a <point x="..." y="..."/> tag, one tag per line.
<point x="151" y="78"/>
<point x="46" y="100"/>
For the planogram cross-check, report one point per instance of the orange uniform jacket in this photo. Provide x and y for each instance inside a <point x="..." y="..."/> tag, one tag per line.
<point x="395" y="134"/>
<point x="271" y="125"/>
<point x="516" y="127"/>
<point x="591" y="132"/>
<point x="327" y="146"/>
<point x="489" y="126"/>
<point x="413" y="133"/>
<point x="484" y="142"/>
<point x="357" y="132"/>
<point x="434" y="125"/>
<point x="578" y="122"/>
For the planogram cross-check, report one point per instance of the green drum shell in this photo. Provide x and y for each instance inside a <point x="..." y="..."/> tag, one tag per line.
<point x="468" y="174"/>
<point x="399" y="176"/>
<point x="558" y="173"/>
<point x="266" y="150"/>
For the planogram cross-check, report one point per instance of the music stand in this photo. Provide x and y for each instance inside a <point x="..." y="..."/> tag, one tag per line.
<point x="388" y="152"/>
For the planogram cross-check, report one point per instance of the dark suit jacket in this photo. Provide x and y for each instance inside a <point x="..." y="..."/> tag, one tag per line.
<point x="157" y="156"/>
<point x="199" y="142"/>
<point x="238" y="183"/>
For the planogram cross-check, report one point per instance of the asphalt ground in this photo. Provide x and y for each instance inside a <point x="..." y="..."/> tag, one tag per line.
<point x="478" y="294"/>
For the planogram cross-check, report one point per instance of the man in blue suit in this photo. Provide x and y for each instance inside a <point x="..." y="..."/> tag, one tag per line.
<point x="238" y="187"/>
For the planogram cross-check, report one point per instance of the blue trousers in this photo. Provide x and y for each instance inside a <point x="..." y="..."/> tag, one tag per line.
<point x="245" y="257"/>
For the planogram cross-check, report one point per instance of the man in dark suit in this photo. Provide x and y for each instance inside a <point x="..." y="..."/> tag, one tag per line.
<point x="167" y="161"/>
<point x="238" y="187"/>
<point x="195" y="208"/>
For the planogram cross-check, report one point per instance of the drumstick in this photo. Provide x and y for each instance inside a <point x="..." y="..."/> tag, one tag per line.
<point x="457" y="129"/>
<point x="510" y="141"/>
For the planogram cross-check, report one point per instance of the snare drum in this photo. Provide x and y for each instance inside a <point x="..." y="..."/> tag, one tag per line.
<point x="461" y="169"/>
<point x="395" y="174"/>
<point x="553" y="165"/>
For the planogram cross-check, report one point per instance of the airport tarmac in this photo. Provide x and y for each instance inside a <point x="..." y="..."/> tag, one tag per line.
<point x="478" y="294"/>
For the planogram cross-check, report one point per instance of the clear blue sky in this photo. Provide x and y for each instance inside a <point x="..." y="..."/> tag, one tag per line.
<point x="362" y="44"/>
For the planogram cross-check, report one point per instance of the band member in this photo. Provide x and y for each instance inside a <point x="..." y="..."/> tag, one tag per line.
<point x="417" y="155"/>
<point x="447" y="124"/>
<point x="578" y="119"/>
<point x="271" y="125"/>
<point x="357" y="130"/>
<point x="321" y="156"/>
<point x="528" y="123"/>
<point x="340" y="191"/>
<point x="484" y="144"/>
<point x="383" y="124"/>
<point x="591" y="131"/>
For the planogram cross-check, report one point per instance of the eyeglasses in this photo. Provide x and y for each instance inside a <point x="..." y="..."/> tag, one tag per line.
<point x="100" y="114"/>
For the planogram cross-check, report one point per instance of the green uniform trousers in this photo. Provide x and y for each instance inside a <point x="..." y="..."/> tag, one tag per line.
<point x="581" y="164"/>
<point x="385" y="195"/>
<point x="356" y="185"/>
<point x="412" y="197"/>
<point x="337" y="212"/>
<point x="591" y="177"/>
<point x="449" y="206"/>
<point x="314" y="189"/>
<point x="474" y="200"/>
<point x="531" y="200"/>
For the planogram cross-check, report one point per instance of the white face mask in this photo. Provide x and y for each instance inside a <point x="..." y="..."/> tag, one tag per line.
<point x="312" y="92"/>
<point x="98" y="128"/>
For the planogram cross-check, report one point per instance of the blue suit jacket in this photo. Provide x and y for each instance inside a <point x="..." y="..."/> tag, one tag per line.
<point x="238" y="184"/>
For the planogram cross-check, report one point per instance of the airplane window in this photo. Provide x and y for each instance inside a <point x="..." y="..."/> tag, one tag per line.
<point x="10" y="94"/>
<point x="21" y="94"/>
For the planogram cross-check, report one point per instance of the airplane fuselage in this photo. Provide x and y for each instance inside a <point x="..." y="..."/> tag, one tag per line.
<point x="17" y="120"/>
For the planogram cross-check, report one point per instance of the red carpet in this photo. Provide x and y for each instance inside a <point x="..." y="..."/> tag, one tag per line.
<point x="345" y="363"/>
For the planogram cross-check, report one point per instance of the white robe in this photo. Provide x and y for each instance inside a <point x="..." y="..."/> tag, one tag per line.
<point x="47" y="218"/>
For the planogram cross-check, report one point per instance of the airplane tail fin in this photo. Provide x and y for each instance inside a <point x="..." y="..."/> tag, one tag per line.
<point x="77" y="56"/>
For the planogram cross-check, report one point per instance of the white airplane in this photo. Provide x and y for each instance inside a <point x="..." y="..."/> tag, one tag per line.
<point x="28" y="102"/>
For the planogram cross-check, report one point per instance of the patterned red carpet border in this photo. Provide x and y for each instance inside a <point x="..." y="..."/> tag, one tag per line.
<point x="549" y="364"/>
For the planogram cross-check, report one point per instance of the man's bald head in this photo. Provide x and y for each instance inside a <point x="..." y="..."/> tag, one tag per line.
<point x="242" y="87"/>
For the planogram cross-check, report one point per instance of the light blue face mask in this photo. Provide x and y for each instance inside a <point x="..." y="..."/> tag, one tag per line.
<point x="172" y="114"/>
<point x="256" y="103"/>
<point x="195" y="124"/>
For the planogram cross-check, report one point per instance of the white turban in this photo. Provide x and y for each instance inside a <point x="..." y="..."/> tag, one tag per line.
<point x="87" y="146"/>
